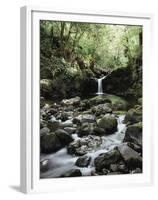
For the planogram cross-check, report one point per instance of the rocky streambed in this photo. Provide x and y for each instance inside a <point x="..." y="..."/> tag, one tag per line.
<point x="88" y="137"/>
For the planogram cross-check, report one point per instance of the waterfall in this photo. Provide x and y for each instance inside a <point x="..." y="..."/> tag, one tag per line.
<point x="100" y="86"/>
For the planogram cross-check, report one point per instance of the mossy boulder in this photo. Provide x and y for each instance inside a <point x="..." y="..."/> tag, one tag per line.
<point x="104" y="160"/>
<point x="134" y="134"/>
<point x="134" y="115"/>
<point x="100" y="99"/>
<point x="108" y="123"/>
<point x="117" y="102"/>
<point x="63" y="136"/>
<point x="130" y="157"/>
<point x="50" y="143"/>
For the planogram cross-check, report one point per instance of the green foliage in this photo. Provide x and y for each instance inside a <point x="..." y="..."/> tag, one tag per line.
<point x="109" y="46"/>
<point x="73" y="52"/>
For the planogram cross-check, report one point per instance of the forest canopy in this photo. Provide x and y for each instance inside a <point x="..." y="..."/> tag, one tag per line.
<point x="79" y="51"/>
<point x="106" y="46"/>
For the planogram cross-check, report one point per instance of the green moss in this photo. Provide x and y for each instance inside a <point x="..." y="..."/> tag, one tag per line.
<point x="118" y="103"/>
<point x="138" y="125"/>
<point x="119" y="112"/>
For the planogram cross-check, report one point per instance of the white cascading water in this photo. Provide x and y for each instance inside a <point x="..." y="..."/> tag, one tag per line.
<point x="100" y="86"/>
<point x="61" y="161"/>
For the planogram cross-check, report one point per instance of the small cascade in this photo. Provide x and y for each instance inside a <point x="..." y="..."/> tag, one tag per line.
<point x="61" y="161"/>
<point x="100" y="86"/>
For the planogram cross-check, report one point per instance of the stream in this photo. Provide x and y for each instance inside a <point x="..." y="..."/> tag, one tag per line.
<point x="61" y="162"/>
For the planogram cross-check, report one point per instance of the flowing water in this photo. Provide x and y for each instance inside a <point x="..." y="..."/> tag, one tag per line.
<point x="61" y="161"/>
<point x="100" y="86"/>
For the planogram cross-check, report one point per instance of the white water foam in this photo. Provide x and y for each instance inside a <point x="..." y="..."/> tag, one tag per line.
<point x="61" y="161"/>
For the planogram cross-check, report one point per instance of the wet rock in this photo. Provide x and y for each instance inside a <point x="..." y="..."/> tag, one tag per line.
<point x="123" y="169"/>
<point x="114" y="167"/>
<point x="76" y="121"/>
<point x="99" y="131"/>
<point x="136" y="171"/>
<point x="52" y="111"/>
<point x="73" y="101"/>
<point x="105" y="171"/>
<point x="120" y="105"/>
<point x="133" y="115"/>
<point x="67" y="123"/>
<point x="130" y="157"/>
<point x="62" y="116"/>
<point x="69" y="108"/>
<point x="53" y="125"/>
<point x="50" y="143"/>
<point x="72" y="173"/>
<point x="134" y="134"/>
<point x="86" y="129"/>
<point x="70" y="130"/>
<point x="84" y="105"/>
<point x="106" y="159"/>
<point x="136" y="147"/>
<point x="83" y="161"/>
<point x="102" y="109"/>
<point x="44" y="130"/>
<point x="43" y="123"/>
<point x="85" y="118"/>
<point x="84" y="145"/>
<point x="43" y="114"/>
<point x="44" y="165"/>
<point x="42" y="102"/>
<point x="108" y="123"/>
<point x="140" y="101"/>
<point x="63" y="136"/>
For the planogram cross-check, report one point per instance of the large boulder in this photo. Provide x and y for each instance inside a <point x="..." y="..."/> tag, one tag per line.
<point x="130" y="157"/>
<point x="83" y="161"/>
<point x="50" y="143"/>
<point x="84" y="145"/>
<point x="99" y="131"/>
<point x="104" y="160"/>
<point x="63" y="136"/>
<point x="134" y="115"/>
<point x="108" y="123"/>
<point x="134" y="134"/>
<point x="44" y="131"/>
